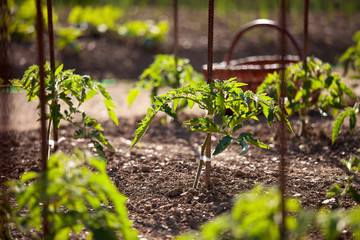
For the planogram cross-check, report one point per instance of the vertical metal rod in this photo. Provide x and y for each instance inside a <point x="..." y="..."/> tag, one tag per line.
<point x="4" y="91"/>
<point x="306" y="24"/>
<point x="44" y="144"/>
<point x="4" y="42"/>
<point x="176" y="41"/>
<point x="51" y="34"/>
<point x="210" y="40"/>
<point x="209" y="80"/>
<point x="40" y="48"/>
<point x="282" y="139"/>
<point x="52" y="62"/>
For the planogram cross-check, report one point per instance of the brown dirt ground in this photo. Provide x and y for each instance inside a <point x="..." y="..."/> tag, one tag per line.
<point x="157" y="175"/>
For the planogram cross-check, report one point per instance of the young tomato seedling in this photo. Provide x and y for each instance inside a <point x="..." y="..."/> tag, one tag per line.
<point x="226" y="102"/>
<point x="165" y="71"/>
<point x="80" y="199"/>
<point x="72" y="90"/>
<point x="310" y="87"/>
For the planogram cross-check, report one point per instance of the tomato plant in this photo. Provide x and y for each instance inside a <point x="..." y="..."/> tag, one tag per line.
<point x="79" y="195"/>
<point x="5" y="215"/>
<point x="350" y="112"/>
<point x="165" y="71"/>
<point x="256" y="215"/>
<point x="217" y="99"/>
<point x="310" y="87"/>
<point x="346" y="186"/>
<point x="144" y="33"/>
<point x="72" y="90"/>
<point x="23" y="19"/>
<point x="66" y="40"/>
<point x="351" y="57"/>
<point x="95" y="20"/>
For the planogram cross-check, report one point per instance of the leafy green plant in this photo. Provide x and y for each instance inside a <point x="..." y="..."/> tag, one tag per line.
<point x="23" y="20"/>
<point x="333" y="223"/>
<point x="78" y="195"/>
<point x="165" y="71"/>
<point x="350" y="112"/>
<point x="227" y="108"/>
<point x="346" y="186"/>
<point x="5" y="215"/>
<point x="66" y="40"/>
<point x="96" y="20"/>
<point x="313" y="87"/>
<point x="144" y="33"/>
<point x="256" y="214"/>
<point x="72" y="91"/>
<point x="351" y="57"/>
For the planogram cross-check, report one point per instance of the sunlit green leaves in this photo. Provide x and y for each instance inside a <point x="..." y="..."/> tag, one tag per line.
<point x="255" y="215"/>
<point x="78" y="198"/>
<point x="351" y="57"/>
<point x="350" y="112"/>
<point x="227" y="107"/>
<point x="223" y="144"/>
<point x="345" y="186"/>
<point x="165" y="71"/>
<point x="310" y="87"/>
<point x="65" y="93"/>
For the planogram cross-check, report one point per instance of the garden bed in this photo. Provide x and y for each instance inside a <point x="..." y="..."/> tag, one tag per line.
<point x="157" y="175"/>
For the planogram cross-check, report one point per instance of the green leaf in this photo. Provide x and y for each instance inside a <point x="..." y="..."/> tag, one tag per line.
<point x="59" y="69"/>
<point x="90" y="94"/>
<point x="175" y="103"/>
<point x="143" y="126"/>
<point x="352" y="119"/>
<point x="333" y="191"/>
<point x="244" y="146"/>
<point x="222" y="145"/>
<point x="353" y="193"/>
<point x="191" y="103"/>
<point x="169" y="111"/>
<point x="63" y="233"/>
<point x="28" y="176"/>
<point x="109" y="104"/>
<point x="337" y="124"/>
<point x="134" y="92"/>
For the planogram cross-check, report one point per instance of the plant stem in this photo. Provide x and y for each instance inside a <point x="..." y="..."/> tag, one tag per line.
<point x="201" y="162"/>
<point x="303" y="123"/>
<point x="208" y="163"/>
<point x="48" y="139"/>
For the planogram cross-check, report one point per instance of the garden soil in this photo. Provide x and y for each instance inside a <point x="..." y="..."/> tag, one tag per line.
<point x="157" y="174"/>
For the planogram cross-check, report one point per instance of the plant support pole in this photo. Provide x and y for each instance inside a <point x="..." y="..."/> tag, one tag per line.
<point x="52" y="66"/>
<point x="176" y="41"/>
<point x="306" y="24"/>
<point x="282" y="139"/>
<point x="209" y="80"/>
<point x="44" y="143"/>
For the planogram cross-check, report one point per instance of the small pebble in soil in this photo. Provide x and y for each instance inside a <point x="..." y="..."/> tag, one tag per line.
<point x="145" y="169"/>
<point x="175" y="192"/>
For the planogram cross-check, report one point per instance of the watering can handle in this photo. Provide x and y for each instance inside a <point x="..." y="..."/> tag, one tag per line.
<point x="260" y="23"/>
